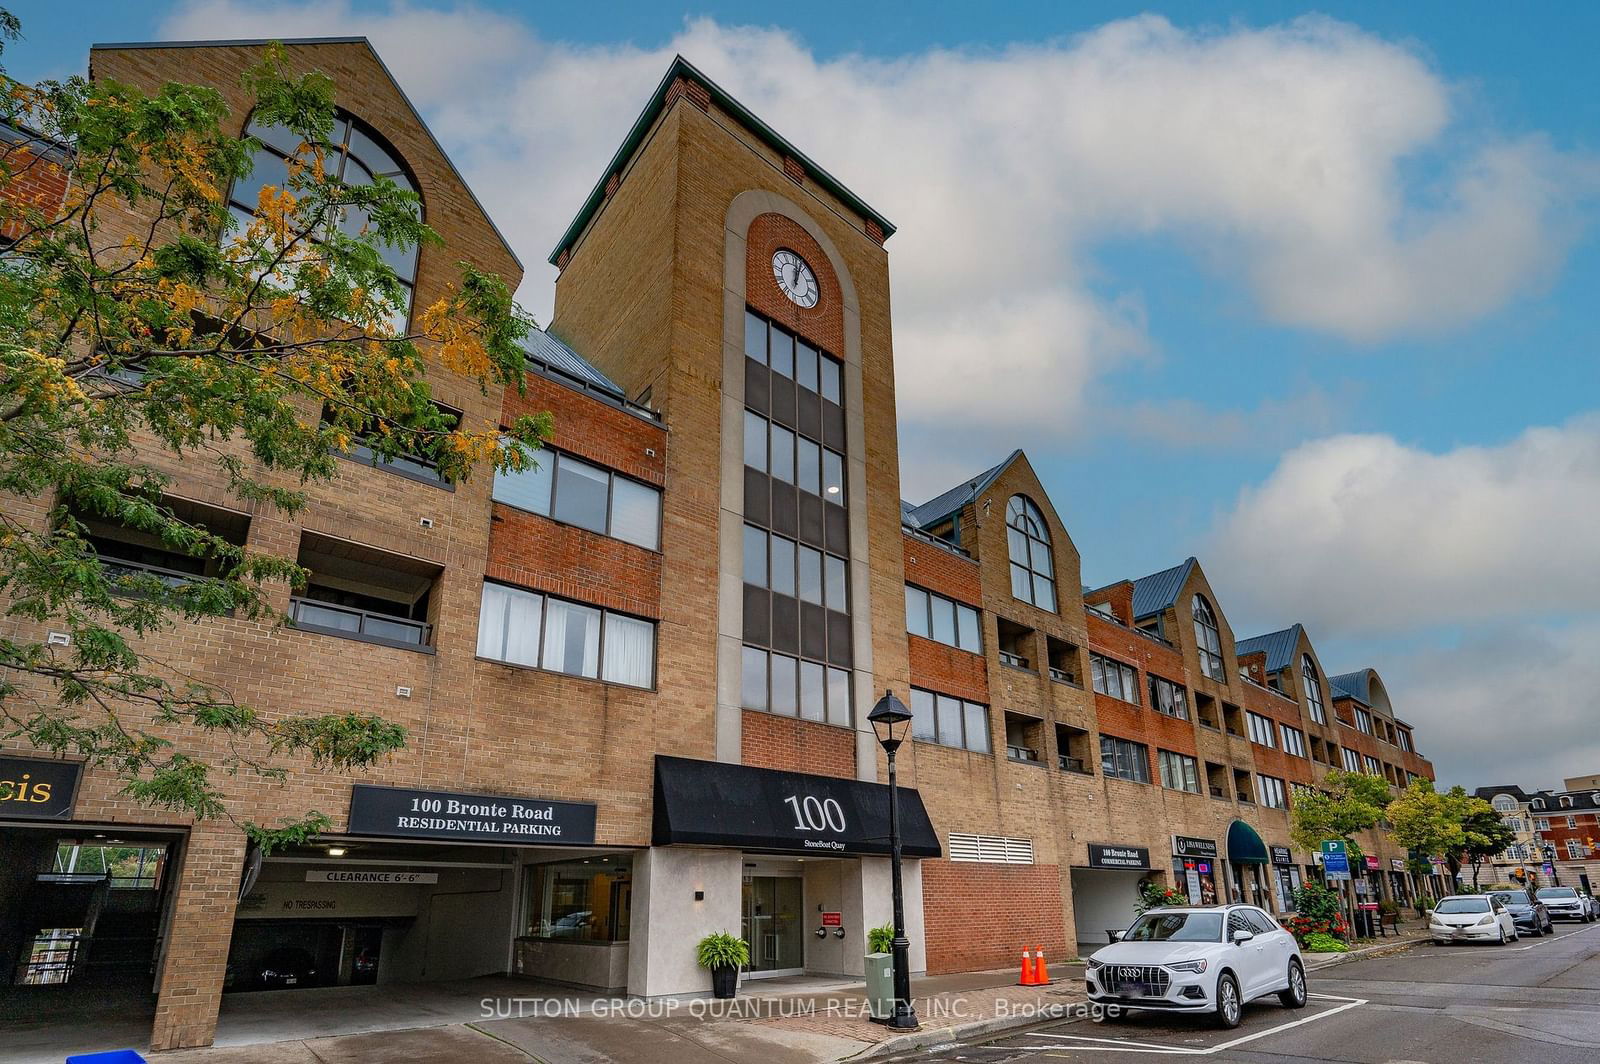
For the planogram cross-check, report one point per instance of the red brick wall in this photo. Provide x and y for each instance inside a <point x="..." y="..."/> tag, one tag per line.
<point x="36" y="181"/>
<point x="823" y="324"/>
<point x="1140" y="723"/>
<point x="946" y="572"/>
<point x="590" y="429"/>
<point x="1119" y="597"/>
<point x="795" y="745"/>
<point x="544" y="555"/>
<point x="937" y="667"/>
<point x="978" y="915"/>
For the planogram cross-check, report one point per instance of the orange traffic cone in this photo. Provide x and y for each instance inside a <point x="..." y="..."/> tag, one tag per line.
<point x="1029" y="973"/>
<point x="1041" y="974"/>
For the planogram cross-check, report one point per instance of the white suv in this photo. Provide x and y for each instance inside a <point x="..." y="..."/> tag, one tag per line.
<point x="1212" y="959"/>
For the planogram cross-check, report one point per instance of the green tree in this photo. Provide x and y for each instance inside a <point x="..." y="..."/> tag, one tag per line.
<point x="1485" y="835"/>
<point x="141" y="327"/>
<point x="1428" y="822"/>
<point x="1345" y="804"/>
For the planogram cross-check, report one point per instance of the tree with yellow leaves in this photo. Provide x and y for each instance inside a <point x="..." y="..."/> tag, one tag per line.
<point x="140" y="317"/>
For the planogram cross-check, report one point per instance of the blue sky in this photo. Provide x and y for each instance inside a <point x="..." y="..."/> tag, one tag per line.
<point x="1364" y="365"/>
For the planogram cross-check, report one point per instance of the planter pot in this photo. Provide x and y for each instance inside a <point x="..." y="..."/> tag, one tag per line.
<point x="723" y="981"/>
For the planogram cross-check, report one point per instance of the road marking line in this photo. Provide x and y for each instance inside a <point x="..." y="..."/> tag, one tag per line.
<point x="1108" y="1045"/>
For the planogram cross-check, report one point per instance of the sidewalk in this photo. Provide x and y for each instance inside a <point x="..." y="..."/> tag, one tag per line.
<point x="1408" y="935"/>
<point x="788" y="1022"/>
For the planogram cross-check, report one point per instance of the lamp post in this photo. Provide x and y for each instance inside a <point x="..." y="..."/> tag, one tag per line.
<point x="890" y="719"/>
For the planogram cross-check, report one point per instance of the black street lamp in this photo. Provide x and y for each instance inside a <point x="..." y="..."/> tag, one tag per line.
<point x="890" y="719"/>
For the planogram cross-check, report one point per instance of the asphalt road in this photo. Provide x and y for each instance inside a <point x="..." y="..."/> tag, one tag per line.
<point x="1536" y="1001"/>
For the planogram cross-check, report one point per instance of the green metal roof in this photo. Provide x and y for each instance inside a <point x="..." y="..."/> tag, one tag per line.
<point x="681" y="67"/>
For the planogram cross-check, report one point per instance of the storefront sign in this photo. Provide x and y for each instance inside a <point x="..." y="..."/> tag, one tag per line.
<point x="1103" y="856"/>
<point x="1184" y="846"/>
<point x="1396" y="865"/>
<point x="1282" y="856"/>
<point x="1372" y="863"/>
<point x="402" y="813"/>
<point x="710" y="803"/>
<point x="355" y="875"/>
<point x="833" y="919"/>
<point x="38" y="788"/>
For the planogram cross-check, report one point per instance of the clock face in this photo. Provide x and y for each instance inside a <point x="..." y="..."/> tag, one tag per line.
<point x="795" y="278"/>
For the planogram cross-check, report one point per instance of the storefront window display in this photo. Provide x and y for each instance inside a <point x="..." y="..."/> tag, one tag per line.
<point x="1196" y="878"/>
<point x="580" y="901"/>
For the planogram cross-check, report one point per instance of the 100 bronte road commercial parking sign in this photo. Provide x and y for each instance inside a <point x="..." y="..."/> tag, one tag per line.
<point x="400" y="812"/>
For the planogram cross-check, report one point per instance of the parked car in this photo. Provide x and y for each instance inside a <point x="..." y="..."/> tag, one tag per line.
<point x="286" y="967"/>
<point x="1565" y="903"/>
<point x="1527" y="912"/>
<point x="1471" y="918"/>
<point x="1203" y="960"/>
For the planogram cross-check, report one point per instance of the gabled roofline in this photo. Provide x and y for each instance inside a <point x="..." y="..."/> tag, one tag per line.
<point x="681" y="67"/>
<point x="264" y="41"/>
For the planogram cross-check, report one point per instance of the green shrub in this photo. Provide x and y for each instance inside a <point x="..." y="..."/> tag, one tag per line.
<point x="1153" y="895"/>
<point x="1316" y="902"/>
<point x="880" y="939"/>
<point x="722" y="950"/>
<point x="1321" y="942"/>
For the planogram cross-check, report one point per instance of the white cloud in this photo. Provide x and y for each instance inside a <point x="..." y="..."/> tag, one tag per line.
<point x="1363" y="533"/>
<point x="1278" y="150"/>
<point x="1467" y="698"/>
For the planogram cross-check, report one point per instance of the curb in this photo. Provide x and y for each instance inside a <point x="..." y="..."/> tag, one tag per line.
<point x="1360" y="954"/>
<point x="958" y="1033"/>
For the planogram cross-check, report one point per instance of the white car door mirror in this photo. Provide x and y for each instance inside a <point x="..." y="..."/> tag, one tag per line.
<point x="1241" y="937"/>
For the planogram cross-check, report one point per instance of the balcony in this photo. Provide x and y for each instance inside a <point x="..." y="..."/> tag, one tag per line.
<point x="1022" y="753"/>
<point x="1016" y="661"/>
<point x="1071" y="764"/>
<point x="347" y="620"/>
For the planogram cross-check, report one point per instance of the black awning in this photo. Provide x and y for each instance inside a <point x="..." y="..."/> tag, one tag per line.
<point x="709" y="803"/>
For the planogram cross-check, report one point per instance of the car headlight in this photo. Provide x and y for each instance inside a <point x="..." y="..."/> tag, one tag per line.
<point x="1095" y="962"/>
<point x="1486" y="921"/>
<point x="1188" y="966"/>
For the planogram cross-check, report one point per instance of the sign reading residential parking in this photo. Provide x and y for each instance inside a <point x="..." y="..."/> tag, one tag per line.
<point x="1281" y="855"/>
<point x="38" y="788"/>
<point x="1105" y="856"/>
<point x="1184" y="846"/>
<point x="355" y="875"/>
<point x="1335" y="859"/>
<point x="403" y="813"/>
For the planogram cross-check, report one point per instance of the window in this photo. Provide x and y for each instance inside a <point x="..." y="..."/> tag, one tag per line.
<point x="1313" y="689"/>
<point x="1539" y="824"/>
<point x="778" y="683"/>
<point x="1294" y="740"/>
<point x="1168" y="697"/>
<point x="1032" y="572"/>
<point x="1537" y="803"/>
<point x="1514" y="823"/>
<point x="1577" y="850"/>
<point x="789" y="356"/>
<point x="1405" y="739"/>
<point x="577" y="493"/>
<point x="789" y="568"/>
<point x="1260" y="729"/>
<point x="1112" y="677"/>
<point x="793" y="459"/>
<point x="1363" y="721"/>
<point x="935" y="617"/>
<point x="1352" y="760"/>
<point x="355" y="154"/>
<point x="423" y="467"/>
<point x="520" y="627"/>
<point x="1180" y="772"/>
<point x="1572" y="821"/>
<point x="1565" y="801"/>
<point x="1124" y="760"/>
<point x="580" y="901"/>
<point x="1272" y="792"/>
<point x="949" y="721"/>
<point x="1504" y="803"/>
<point x="1207" y="640"/>
<point x="1372" y="766"/>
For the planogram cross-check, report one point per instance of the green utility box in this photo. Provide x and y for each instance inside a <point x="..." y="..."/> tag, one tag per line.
<point x="880" y="985"/>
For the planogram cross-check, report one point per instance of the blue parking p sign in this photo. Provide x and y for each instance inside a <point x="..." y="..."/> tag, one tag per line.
<point x="1335" y="859"/>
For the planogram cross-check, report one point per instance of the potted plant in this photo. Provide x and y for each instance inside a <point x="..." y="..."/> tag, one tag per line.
<point x="723" y="955"/>
<point x="880" y="940"/>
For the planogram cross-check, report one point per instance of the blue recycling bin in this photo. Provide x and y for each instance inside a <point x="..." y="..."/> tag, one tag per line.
<point x="110" y="1056"/>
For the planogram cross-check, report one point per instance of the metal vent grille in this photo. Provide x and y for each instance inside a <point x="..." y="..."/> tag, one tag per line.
<point x="993" y="848"/>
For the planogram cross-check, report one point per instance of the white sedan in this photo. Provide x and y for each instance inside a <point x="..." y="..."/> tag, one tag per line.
<point x="1471" y="918"/>
<point x="1212" y="959"/>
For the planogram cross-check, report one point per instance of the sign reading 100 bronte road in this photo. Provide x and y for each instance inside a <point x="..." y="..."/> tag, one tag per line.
<point x="403" y="813"/>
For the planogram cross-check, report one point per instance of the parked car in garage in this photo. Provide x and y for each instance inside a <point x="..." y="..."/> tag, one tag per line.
<point x="1471" y="918"/>
<point x="286" y="967"/>
<point x="1203" y="960"/>
<point x="1527" y="912"/>
<point x="1565" y="903"/>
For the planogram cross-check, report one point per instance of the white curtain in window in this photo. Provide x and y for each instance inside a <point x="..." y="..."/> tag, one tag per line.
<point x="492" y="622"/>
<point x="572" y="639"/>
<point x="630" y="651"/>
<point x="522" y="626"/>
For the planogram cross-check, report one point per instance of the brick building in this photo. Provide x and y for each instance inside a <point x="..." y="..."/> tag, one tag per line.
<point x="636" y="680"/>
<point x="1558" y="833"/>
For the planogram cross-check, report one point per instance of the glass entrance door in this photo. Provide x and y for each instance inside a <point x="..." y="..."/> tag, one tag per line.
<point x="771" y="924"/>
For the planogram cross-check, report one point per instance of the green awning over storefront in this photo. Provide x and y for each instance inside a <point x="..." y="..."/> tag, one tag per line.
<point x="1244" y="845"/>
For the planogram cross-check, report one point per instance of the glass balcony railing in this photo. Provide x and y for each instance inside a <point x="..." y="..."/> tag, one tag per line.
<point x="380" y="627"/>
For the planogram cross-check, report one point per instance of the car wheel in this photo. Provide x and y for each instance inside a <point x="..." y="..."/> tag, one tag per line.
<point x="1230" y="1007"/>
<point x="1502" y="941"/>
<point x="1537" y="932"/>
<point x="1294" y="995"/>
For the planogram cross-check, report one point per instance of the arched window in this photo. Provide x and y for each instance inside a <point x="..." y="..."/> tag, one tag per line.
<point x="1504" y="803"/>
<point x="1538" y="803"/>
<point x="1313" y="686"/>
<point x="1206" y="638"/>
<point x="355" y="154"/>
<point x="1564" y="802"/>
<point x="1033" y="576"/>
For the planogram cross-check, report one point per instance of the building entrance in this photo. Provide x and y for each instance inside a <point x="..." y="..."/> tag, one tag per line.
<point x="773" y="909"/>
